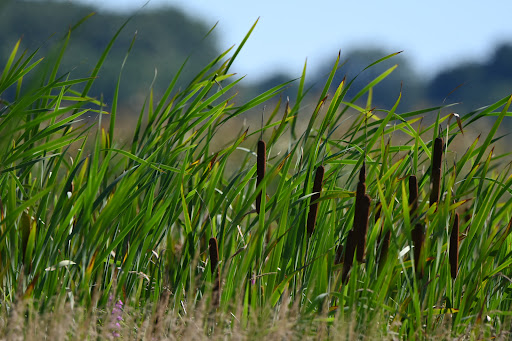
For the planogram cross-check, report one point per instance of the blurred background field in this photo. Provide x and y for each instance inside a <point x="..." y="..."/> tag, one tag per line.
<point x="452" y="54"/>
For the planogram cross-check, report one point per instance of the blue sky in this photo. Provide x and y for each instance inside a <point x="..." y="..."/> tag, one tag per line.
<point x="433" y="34"/>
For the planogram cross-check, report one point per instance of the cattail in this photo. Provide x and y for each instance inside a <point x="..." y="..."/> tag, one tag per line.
<point x="261" y="165"/>
<point x="349" y="256"/>
<point x="313" y="208"/>
<point x="362" y="211"/>
<point x="454" y="247"/>
<point x="215" y="271"/>
<point x="362" y="173"/>
<point x="437" y="157"/>
<point x="418" y="236"/>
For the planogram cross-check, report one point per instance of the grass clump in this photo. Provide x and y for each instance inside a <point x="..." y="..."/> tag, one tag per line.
<point x="87" y="222"/>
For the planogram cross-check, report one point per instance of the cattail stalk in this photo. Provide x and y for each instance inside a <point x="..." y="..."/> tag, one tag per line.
<point x="437" y="158"/>
<point x="261" y="166"/>
<point x="215" y="271"/>
<point x="454" y="247"/>
<point x="313" y="208"/>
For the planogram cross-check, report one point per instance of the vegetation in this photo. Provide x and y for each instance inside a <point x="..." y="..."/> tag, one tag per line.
<point x="166" y="237"/>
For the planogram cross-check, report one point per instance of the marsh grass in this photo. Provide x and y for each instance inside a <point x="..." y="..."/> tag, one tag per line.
<point x="83" y="227"/>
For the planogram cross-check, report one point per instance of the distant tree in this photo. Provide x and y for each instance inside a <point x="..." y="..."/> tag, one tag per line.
<point x="499" y="66"/>
<point x="385" y="93"/>
<point x="165" y="38"/>
<point x="455" y="84"/>
<point x="475" y="84"/>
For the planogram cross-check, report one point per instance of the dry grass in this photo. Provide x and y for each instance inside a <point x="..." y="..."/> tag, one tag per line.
<point x="286" y="322"/>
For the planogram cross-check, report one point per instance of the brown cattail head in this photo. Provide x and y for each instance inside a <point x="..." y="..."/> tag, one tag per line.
<point x="437" y="158"/>
<point x="215" y="271"/>
<point x="362" y="173"/>
<point x="362" y="207"/>
<point x="313" y="208"/>
<point x="362" y="228"/>
<point x="454" y="247"/>
<point x="214" y="254"/>
<point x="418" y="237"/>
<point x="361" y="190"/>
<point x="261" y="165"/>
<point x="413" y="196"/>
<point x="349" y="256"/>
